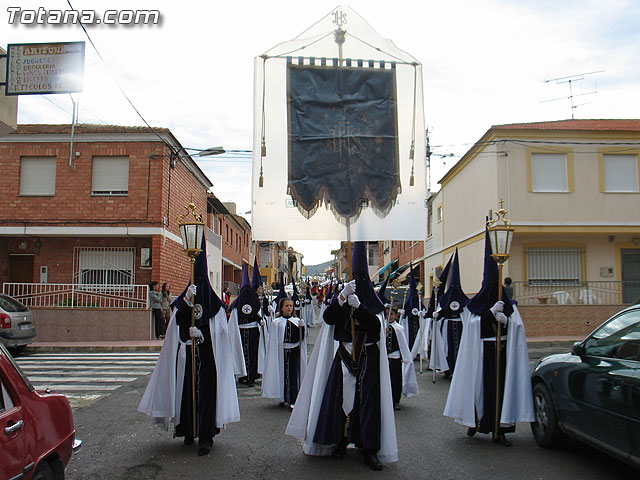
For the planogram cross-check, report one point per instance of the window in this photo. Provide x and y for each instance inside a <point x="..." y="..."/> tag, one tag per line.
<point x="620" y="173"/>
<point x="226" y="227"/>
<point x="439" y="214"/>
<point x="110" y="176"/>
<point x="104" y="266"/>
<point x="618" y="338"/>
<point x="554" y="265"/>
<point x="5" y="400"/>
<point x="373" y="255"/>
<point x="37" y="176"/>
<point x="549" y="172"/>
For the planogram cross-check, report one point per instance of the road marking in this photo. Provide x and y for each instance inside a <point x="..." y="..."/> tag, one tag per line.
<point x="85" y="377"/>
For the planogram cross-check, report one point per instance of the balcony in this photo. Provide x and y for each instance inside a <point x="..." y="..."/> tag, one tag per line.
<point x="577" y="293"/>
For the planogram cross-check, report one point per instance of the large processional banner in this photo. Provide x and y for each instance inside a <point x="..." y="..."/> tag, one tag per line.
<point x="343" y="139"/>
<point x="339" y="137"/>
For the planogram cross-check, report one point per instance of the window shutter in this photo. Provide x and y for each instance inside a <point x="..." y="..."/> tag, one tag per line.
<point x="38" y="176"/>
<point x="110" y="176"/>
<point x="549" y="172"/>
<point x="620" y="173"/>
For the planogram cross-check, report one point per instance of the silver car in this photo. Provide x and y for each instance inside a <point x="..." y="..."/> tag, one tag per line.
<point x="17" y="329"/>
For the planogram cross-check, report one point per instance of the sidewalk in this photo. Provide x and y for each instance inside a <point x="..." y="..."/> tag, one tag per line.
<point x="156" y="345"/>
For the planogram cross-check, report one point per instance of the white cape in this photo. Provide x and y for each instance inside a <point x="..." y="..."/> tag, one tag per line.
<point x="309" y="314"/>
<point x="241" y="369"/>
<point x="273" y="377"/>
<point x="438" y="359"/>
<point x="304" y="418"/>
<point x="163" y="395"/>
<point x="465" y="394"/>
<point x="409" y="379"/>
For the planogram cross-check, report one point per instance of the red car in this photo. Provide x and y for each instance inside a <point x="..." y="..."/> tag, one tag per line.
<point x="37" y="435"/>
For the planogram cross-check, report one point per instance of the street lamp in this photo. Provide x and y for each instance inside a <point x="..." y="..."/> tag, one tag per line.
<point x="500" y="236"/>
<point x="191" y="231"/>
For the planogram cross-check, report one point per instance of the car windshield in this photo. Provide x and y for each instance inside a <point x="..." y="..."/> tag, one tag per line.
<point x="609" y="339"/>
<point x="8" y="304"/>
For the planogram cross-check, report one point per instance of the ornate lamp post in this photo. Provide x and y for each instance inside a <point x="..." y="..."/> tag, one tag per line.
<point x="434" y="343"/>
<point x="500" y="237"/>
<point x="191" y="231"/>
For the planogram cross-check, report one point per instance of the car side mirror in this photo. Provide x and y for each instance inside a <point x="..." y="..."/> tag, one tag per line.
<point x="578" y="349"/>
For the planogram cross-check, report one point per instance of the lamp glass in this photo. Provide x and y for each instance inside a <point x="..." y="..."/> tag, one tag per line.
<point x="500" y="238"/>
<point x="191" y="234"/>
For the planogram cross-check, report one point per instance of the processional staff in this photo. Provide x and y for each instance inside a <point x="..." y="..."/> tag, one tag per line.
<point x="500" y="236"/>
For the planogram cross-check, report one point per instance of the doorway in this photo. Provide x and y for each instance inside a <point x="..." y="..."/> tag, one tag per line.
<point x="630" y="260"/>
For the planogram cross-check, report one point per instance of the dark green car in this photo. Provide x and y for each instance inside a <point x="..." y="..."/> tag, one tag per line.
<point x="593" y="393"/>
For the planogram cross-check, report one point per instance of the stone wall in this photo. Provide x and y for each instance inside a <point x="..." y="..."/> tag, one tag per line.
<point x="88" y="325"/>
<point x="565" y="320"/>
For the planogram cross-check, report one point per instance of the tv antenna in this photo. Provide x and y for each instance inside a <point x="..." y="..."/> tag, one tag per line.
<point x="570" y="79"/>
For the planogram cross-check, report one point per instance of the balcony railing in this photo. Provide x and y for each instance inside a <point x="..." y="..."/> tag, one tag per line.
<point x="70" y="295"/>
<point x="577" y="293"/>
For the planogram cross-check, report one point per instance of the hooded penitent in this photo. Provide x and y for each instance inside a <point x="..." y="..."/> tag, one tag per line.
<point x="488" y="294"/>
<point x="444" y="275"/>
<point x="364" y="287"/>
<point x="205" y="295"/>
<point x="256" y="281"/>
<point x="281" y="294"/>
<point x="411" y="308"/>
<point x="297" y="304"/>
<point x="382" y="292"/>
<point x="247" y="303"/>
<point x="454" y="299"/>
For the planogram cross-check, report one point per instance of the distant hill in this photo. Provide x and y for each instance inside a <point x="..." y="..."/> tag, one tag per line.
<point x="318" y="269"/>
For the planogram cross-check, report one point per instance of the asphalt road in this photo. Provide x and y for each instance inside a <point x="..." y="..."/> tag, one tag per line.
<point x="120" y="443"/>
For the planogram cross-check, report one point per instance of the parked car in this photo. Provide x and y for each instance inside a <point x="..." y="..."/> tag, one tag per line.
<point x="17" y="329"/>
<point x="38" y="435"/>
<point x="593" y="393"/>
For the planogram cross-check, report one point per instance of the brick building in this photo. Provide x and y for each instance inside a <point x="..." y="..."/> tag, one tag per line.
<point x="101" y="214"/>
<point x="235" y="234"/>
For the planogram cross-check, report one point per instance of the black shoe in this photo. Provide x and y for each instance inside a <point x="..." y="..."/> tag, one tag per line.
<point x="396" y="406"/>
<point x="188" y="440"/>
<point x="371" y="460"/>
<point x="502" y="440"/>
<point x="250" y="383"/>
<point x="203" y="451"/>
<point x="281" y="404"/>
<point x="471" y="431"/>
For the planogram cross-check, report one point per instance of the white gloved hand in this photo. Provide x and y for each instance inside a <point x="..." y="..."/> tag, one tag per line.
<point x="436" y="315"/>
<point x="349" y="289"/>
<point x="353" y="300"/>
<point x="194" y="332"/>
<point x="498" y="307"/>
<point x="422" y="313"/>
<point x="401" y="311"/>
<point x="191" y="292"/>
<point x="501" y="317"/>
<point x="271" y="309"/>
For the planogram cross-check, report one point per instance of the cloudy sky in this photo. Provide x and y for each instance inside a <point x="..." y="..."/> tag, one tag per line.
<point x="485" y="62"/>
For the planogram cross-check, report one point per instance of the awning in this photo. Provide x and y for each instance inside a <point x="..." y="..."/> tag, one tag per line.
<point x="402" y="272"/>
<point x="381" y="270"/>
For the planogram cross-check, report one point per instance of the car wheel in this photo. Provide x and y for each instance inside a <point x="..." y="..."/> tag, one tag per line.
<point x="15" y="351"/>
<point x="545" y="429"/>
<point x="43" y="472"/>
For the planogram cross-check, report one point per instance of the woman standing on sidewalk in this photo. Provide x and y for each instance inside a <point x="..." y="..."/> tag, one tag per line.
<point x="155" y="303"/>
<point x="166" y="306"/>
